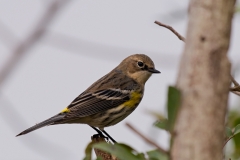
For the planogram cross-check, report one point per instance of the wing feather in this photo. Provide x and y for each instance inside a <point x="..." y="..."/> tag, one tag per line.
<point x="96" y="102"/>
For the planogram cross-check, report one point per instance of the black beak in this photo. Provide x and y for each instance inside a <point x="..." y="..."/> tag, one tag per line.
<point x="153" y="70"/>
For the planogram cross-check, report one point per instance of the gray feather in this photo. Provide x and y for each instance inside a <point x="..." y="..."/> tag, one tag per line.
<point x="43" y="124"/>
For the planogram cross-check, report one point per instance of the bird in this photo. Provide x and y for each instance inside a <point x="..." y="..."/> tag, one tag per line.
<point x="109" y="100"/>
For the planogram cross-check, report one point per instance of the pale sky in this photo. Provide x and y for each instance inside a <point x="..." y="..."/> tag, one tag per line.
<point x="85" y="41"/>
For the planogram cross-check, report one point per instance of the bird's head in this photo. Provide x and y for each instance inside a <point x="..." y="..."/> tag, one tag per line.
<point x="139" y="67"/>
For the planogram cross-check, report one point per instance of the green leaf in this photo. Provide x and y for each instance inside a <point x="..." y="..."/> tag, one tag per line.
<point x="237" y="129"/>
<point x="88" y="152"/>
<point x="237" y="9"/>
<point x="233" y="135"/>
<point x="228" y="132"/>
<point x="121" y="151"/>
<point x="127" y="147"/>
<point x="141" y="156"/>
<point x="236" y="140"/>
<point x="233" y="122"/>
<point x="173" y="104"/>
<point x="162" y="124"/>
<point x="156" y="155"/>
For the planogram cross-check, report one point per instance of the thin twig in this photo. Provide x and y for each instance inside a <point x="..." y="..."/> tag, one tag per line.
<point x="171" y="29"/>
<point x="235" y="89"/>
<point x="234" y="81"/>
<point x="229" y="138"/>
<point x="147" y="139"/>
<point x="236" y="92"/>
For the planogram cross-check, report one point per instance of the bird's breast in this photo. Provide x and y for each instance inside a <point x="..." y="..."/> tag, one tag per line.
<point x="135" y="99"/>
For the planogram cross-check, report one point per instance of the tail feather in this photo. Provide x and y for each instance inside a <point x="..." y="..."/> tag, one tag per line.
<point x="43" y="124"/>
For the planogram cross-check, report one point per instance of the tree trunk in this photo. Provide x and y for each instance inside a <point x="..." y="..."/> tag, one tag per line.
<point x="204" y="80"/>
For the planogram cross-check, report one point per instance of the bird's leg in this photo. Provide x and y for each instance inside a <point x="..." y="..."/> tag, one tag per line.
<point x="99" y="133"/>
<point x="109" y="136"/>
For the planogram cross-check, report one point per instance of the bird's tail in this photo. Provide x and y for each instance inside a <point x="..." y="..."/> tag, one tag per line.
<point x="42" y="124"/>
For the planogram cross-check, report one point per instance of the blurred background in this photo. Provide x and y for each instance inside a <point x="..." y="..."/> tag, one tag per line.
<point x="52" y="50"/>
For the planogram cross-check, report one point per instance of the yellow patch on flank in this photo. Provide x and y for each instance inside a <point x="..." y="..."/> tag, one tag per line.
<point x="65" y="110"/>
<point x="135" y="98"/>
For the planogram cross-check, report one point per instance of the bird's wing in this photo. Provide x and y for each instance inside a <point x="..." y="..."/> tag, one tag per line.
<point x="96" y="102"/>
<point x="87" y="104"/>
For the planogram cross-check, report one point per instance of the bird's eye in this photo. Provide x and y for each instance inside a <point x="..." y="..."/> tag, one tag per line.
<point x="140" y="64"/>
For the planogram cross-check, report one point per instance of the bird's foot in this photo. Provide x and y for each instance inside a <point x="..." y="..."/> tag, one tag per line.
<point x="109" y="136"/>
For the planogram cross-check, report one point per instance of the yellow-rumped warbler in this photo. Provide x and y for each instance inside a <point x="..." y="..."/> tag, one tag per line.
<point x="110" y="99"/>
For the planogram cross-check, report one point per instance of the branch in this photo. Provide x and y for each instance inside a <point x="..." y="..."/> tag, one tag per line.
<point x="229" y="138"/>
<point x="234" y="81"/>
<point x="147" y="139"/>
<point x="235" y="89"/>
<point x="236" y="92"/>
<point x="171" y="29"/>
